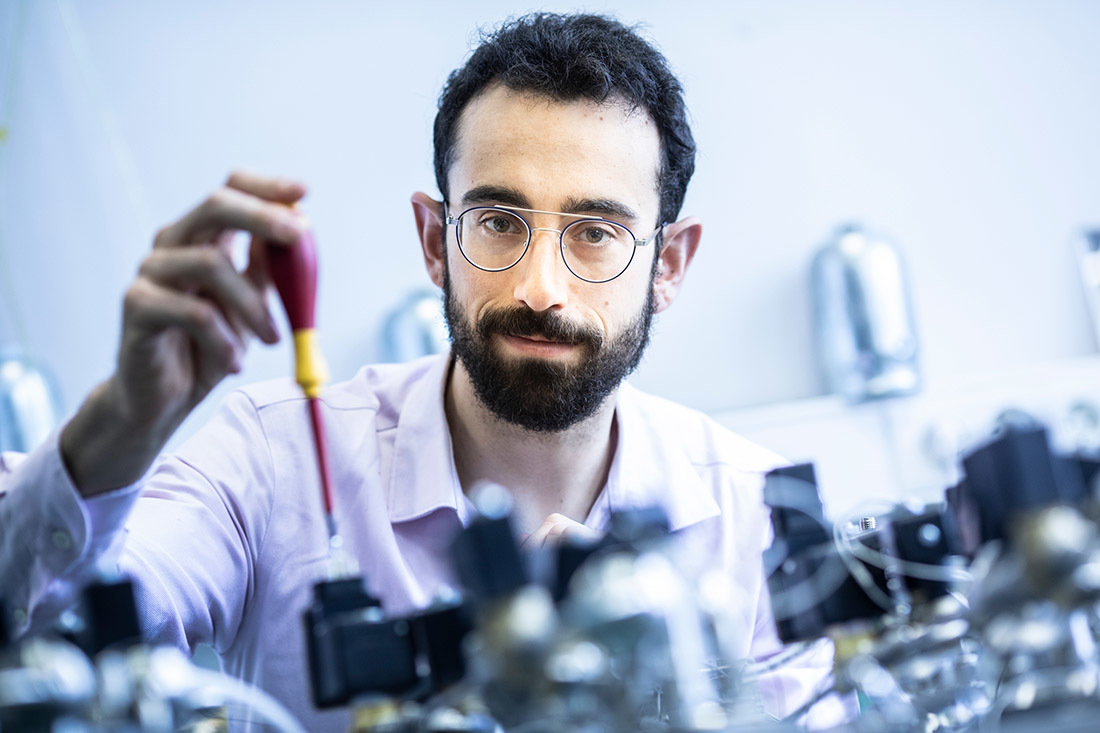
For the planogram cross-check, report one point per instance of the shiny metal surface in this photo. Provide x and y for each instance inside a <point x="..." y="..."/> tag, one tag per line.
<point x="863" y="316"/>
<point x="415" y="328"/>
<point x="29" y="406"/>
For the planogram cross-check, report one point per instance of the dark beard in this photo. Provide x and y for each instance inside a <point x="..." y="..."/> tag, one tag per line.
<point x="539" y="394"/>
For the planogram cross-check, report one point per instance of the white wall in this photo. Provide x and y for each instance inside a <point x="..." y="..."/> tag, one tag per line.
<point x="966" y="130"/>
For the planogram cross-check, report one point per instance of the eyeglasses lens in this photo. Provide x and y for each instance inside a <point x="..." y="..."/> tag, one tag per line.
<point x="495" y="239"/>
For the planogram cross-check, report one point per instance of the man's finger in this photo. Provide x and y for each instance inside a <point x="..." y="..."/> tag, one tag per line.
<point x="580" y="533"/>
<point x="229" y="208"/>
<point x="153" y="307"/>
<point x="281" y="190"/>
<point x="564" y="527"/>
<point x="257" y="271"/>
<point x="554" y="528"/>
<point x="209" y="271"/>
<point x="538" y="538"/>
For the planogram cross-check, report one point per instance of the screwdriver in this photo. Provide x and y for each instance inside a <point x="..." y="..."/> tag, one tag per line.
<point x="293" y="269"/>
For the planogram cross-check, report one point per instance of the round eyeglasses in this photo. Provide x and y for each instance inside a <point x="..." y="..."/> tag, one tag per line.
<point x="495" y="238"/>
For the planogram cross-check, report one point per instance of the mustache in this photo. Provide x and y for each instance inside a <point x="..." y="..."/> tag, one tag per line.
<point x="545" y="324"/>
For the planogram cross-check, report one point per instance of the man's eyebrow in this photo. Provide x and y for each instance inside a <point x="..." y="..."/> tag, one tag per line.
<point x="491" y="194"/>
<point x="609" y="208"/>
<point x="495" y="195"/>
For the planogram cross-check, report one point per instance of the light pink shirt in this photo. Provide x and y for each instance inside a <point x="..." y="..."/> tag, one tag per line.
<point x="226" y="538"/>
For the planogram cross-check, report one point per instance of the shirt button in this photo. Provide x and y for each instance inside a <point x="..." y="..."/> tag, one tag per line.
<point x="62" y="540"/>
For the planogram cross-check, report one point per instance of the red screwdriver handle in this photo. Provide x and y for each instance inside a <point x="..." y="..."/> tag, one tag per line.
<point x="293" y="269"/>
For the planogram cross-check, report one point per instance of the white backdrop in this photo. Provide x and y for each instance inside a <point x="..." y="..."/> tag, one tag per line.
<point x="965" y="130"/>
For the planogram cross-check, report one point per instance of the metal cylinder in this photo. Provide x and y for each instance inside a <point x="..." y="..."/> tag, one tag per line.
<point x="28" y="403"/>
<point x="866" y="332"/>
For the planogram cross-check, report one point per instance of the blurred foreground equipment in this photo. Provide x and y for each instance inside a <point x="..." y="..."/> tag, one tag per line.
<point x="98" y="677"/>
<point x="978" y="614"/>
<point x="612" y="637"/>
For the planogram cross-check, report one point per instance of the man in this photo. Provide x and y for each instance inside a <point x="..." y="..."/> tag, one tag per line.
<point x="562" y="156"/>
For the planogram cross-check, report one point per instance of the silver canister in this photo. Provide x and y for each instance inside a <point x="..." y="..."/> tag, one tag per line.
<point x="29" y="405"/>
<point x="863" y="317"/>
<point x="415" y="328"/>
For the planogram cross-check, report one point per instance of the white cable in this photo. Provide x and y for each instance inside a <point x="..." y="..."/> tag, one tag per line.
<point x="232" y="690"/>
<point x="871" y="556"/>
<point x="794" y="651"/>
<point x="852" y="554"/>
<point x="859" y="571"/>
<point x="825" y="688"/>
<point x="810" y="592"/>
<point x="169" y="675"/>
<point x="824" y="581"/>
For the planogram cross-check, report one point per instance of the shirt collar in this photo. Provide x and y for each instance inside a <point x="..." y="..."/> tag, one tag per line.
<point x="649" y="468"/>
<point x="423" y="477"/>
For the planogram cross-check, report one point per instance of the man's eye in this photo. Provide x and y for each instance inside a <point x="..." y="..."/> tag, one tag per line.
<point x="591" y="234"/>
<point x="499" y="224"/>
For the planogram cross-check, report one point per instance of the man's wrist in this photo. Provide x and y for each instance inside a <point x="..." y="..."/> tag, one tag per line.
<point x="102" y="449"/>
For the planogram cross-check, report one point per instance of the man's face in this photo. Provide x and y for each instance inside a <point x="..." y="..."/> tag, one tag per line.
<point x="543" y="349"/>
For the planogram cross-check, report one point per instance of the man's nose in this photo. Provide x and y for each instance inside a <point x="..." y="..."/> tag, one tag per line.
<point x="543" y="282"/>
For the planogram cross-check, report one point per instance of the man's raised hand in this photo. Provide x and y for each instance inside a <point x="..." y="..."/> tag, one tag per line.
<point x="187" y="319"/>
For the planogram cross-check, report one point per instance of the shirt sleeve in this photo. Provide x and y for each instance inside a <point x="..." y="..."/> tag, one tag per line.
<point x="51" y="539"/>
<point x="187" y="535"/>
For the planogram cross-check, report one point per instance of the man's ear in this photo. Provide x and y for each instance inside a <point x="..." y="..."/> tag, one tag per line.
<point x="429" y="226"/>
<point x="678" y="245"/>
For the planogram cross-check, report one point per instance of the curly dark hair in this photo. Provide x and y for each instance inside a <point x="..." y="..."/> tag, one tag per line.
<point x="570" y="57"/>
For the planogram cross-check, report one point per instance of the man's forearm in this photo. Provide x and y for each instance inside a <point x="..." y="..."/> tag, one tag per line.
<point x="102" y="450"/>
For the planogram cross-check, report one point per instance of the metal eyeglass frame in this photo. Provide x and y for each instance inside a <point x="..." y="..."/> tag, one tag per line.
<point x="453" y="220"/>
